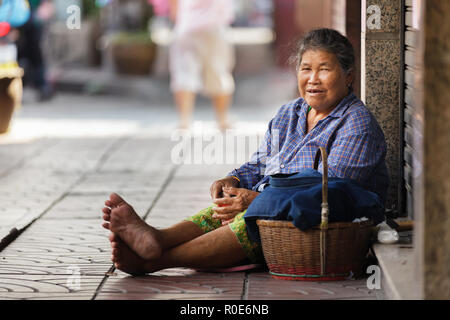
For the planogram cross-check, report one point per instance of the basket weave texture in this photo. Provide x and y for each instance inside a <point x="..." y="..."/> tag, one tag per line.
<point x="331" y="251"/>
<point x="294" y="254"/>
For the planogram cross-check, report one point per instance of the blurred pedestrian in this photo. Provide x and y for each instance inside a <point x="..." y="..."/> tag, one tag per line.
<point x="13" y="14"/>
<point x="29" y="48"/>
<point x="201" y="59"/>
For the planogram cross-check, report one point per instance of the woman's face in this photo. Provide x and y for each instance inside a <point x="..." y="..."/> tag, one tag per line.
<point x="321" y="80"/>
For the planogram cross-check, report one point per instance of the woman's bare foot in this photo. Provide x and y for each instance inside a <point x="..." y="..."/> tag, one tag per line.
<point x="121" y="219"/>
<point x="126" y="260"/>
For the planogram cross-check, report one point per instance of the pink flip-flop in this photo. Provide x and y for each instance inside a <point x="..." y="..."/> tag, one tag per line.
<point x="233" y="269"/>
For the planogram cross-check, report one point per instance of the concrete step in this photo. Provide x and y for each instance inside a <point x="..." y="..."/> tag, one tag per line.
<point x="398" y="266"/>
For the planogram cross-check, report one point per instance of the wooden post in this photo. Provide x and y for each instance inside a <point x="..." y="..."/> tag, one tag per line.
<point x="432" y="186"/>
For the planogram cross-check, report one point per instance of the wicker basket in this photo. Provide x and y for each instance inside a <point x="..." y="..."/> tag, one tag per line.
<point x="331" y="251"/>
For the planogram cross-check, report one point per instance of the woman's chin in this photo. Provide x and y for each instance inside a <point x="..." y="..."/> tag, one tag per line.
<point x="321" y="105"/>
<point x="316" y="104"/>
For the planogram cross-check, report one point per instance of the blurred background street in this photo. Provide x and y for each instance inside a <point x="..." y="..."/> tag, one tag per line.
<point x="81" y="76"/>
<point x="134" y="104"/>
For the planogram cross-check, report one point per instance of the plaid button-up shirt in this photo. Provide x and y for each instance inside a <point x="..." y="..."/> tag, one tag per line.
<point x="354" y="142"/>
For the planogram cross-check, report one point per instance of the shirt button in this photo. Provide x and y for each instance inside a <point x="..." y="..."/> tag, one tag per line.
<point x="282" y="166"/>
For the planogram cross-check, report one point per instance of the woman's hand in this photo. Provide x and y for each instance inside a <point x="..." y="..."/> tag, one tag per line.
<point x="235" y="201"/>
<point x="217" y="186"/>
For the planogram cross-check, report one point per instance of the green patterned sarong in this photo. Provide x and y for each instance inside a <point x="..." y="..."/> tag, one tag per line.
<point x="207" y="223"/>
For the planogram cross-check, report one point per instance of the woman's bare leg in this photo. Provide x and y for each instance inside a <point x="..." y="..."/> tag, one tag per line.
<point x="179" y="233"/>
<point x="218" y="248"/>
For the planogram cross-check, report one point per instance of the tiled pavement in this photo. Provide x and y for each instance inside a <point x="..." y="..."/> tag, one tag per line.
<point x="52" y="243"/>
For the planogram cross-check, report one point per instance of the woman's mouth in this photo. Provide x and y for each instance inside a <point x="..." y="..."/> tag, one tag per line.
<point x="314" y="91"/>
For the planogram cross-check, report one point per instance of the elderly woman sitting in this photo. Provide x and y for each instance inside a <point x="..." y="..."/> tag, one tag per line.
<point x="326" y="115"/>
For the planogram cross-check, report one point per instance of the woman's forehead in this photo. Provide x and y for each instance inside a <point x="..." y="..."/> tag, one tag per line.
<point x="318" y="56"/>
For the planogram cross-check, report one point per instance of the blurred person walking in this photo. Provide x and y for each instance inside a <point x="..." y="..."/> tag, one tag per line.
<point x="13" y="13"/>
<point x="29" y="47"/>
<point x="201" y="59"/>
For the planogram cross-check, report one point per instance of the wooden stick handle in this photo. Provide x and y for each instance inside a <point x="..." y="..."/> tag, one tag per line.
<point x="325" y="210"/>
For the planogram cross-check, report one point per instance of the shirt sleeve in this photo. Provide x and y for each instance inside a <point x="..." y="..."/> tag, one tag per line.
<point x="355" y="156"/>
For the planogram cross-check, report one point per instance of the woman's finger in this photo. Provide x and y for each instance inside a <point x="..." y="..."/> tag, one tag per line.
<point x="231" y="190"/>
<point x="228" y="209"/>
<point x="224" y="216"/>
<point x="216" y="191"/>
<point x="222" y="210"/>
<point x="226" y="222"/>
<point x="226" y="201"/>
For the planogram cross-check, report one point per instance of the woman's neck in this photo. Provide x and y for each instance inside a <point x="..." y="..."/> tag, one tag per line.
<point x="322" y="113"/>
<point x="319" y="114"/>
<point x="314" y="116"/>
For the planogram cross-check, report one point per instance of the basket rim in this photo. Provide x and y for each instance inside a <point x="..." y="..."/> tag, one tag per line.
<point x="290" y="225"/>
<point x="310" y="276"/>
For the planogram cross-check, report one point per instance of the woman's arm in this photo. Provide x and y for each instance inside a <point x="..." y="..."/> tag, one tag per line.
<point x="356" y="156"/>
<point x="359" y="148"/>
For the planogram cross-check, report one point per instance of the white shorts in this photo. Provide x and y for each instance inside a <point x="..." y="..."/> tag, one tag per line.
<point x="202" y="61"/>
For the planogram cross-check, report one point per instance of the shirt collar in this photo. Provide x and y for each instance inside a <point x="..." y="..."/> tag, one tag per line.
<point x="342" y="106"/>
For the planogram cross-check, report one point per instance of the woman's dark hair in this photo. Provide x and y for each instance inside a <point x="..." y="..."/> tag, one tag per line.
<point x="329" y="40"/>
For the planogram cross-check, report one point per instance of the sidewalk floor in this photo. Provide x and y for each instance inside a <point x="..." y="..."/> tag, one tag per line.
<point x="59" y="164"/>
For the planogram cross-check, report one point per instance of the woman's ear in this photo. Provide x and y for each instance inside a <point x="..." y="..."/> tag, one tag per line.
<point x="350" y="78"/>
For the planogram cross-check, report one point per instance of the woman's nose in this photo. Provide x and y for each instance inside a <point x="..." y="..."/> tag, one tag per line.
<point x="313" y="78"/>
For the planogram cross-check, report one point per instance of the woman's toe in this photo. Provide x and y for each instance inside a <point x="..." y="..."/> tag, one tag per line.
<point x="112" y="237"/>
<point x="109" y="204"/>
<point x="115" y="254"/>
<point x="114" y="245"/>
<point x="105" y="225"/>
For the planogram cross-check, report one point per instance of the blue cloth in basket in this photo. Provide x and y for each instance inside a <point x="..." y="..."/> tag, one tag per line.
<point x="298" y="198"/>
